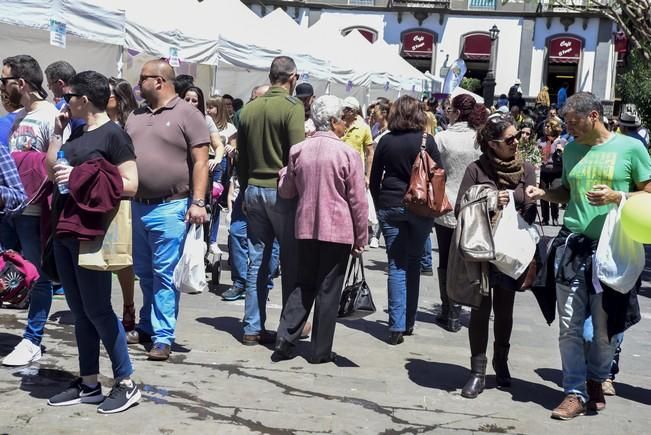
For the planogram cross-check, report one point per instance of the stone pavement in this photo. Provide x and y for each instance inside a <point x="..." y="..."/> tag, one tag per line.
<point x="213" y="384"/>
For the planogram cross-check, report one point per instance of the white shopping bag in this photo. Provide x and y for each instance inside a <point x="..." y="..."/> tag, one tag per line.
<point x="619" y="260"/>
<point x="372" y="216"/>
<point x="190" y="272"/>
<point x="515" y="242"/>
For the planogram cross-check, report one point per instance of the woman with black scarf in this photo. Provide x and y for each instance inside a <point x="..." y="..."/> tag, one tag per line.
<point x="501" y="166"/>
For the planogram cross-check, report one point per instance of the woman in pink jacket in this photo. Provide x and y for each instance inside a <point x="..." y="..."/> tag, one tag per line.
<point x="332" y="216"/>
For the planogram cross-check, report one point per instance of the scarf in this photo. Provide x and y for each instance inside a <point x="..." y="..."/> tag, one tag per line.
<point x="507" y="174"/>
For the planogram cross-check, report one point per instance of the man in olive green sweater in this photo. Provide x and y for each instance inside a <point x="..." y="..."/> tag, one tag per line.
<point x="269" y="126"/>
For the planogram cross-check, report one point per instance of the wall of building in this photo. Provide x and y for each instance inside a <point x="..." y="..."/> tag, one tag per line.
<point x="390" y="25"/>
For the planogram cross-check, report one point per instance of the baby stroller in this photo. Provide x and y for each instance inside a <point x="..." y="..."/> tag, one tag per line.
<point x="218" y="194"/>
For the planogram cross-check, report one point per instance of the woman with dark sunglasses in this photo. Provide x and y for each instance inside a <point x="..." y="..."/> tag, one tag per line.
<point x="499" y="166"/>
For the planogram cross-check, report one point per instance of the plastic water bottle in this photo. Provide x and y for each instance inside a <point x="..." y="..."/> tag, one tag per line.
<point x="61" y="160"/>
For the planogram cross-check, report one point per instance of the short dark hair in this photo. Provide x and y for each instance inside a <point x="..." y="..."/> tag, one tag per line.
<point x="228" y="97"/>
<point x="282" y="68"/>
<point x="493" y="129"/>
<point x="93" y="86"/>
<point x="582" y="103"/>
<point x="60" y="70"/>
<point x="202" y="102"/>
<point x="237" y="104"/>
<point x="182" y="82"/>
<point x="406" y="114"/>
<point x="124" y="96"/>
<point x="27" y="68"/>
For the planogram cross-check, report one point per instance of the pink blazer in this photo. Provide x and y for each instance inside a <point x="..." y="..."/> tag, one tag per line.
<point x="328" y="178"/>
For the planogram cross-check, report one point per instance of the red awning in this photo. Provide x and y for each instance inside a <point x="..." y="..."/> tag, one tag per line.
<point x="477" y="46"/>
<point x="418" y="43"/>
<point x="565" y="50"/>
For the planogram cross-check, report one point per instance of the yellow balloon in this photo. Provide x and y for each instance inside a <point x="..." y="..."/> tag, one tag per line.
<point x="636" y="218"/>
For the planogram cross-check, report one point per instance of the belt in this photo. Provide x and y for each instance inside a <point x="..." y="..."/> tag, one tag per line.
<point x="161" y="200"/>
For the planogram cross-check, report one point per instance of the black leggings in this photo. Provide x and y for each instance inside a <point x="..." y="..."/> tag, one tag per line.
<point x="502" y="304"/>
<point x="443" y="239"/>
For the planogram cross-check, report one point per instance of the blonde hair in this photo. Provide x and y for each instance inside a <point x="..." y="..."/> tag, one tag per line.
<point x="221" y="117"/>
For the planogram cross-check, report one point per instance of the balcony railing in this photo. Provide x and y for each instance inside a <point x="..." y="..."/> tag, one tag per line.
<point x="420" y="3"/>
<point x="481" y="4"/>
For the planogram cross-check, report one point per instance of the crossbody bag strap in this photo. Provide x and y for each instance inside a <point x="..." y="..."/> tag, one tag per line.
<point x="423" y="143"/>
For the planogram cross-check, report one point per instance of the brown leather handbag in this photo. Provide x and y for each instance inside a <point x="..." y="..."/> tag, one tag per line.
<point x="426" y="192"/>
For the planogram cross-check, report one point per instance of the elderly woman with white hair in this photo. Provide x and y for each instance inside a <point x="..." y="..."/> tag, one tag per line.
<point x="327" y="176"/>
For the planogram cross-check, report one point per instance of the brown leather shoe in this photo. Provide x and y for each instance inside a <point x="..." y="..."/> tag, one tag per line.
<point x="572" y="406"/>
<point x="307" y="328"/>
<point x="137" y="337"/>
<point x="129" y="317"/>
<point x="264" y="338"/>
<point x="596" y="399"/>
<point x="159" y="352"/>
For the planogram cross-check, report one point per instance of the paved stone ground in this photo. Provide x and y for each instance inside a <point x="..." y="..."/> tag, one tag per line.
<point x="213" y="384"/>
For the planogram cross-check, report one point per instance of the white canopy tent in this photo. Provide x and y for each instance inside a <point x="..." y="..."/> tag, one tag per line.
<point x="94" y="32"/>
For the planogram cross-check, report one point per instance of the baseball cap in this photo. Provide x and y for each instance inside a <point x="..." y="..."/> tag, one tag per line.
<point x="503" y="109"/>
<point x="304" y="90"/>
<point x="351" y="102"/>
<point x="28" y="69"/>
<point x="518" y="82"/>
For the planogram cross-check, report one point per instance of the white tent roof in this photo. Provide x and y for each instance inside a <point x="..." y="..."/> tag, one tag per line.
<point x="94" y="20"/>
<point x="459" y="90"/>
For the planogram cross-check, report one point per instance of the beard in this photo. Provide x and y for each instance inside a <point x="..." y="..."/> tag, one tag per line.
<point x="12" y="97"/>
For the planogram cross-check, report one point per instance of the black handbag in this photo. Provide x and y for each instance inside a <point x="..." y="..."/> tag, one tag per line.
<point x="356" y="300"/>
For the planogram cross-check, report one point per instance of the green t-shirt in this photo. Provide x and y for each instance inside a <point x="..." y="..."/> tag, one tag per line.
<point x="619" y="163"/>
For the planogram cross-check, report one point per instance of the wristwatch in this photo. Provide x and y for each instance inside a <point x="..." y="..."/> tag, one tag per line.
<point x="199" y="202"/>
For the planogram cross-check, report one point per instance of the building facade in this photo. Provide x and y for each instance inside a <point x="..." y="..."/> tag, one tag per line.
<point x="536" y="45"/>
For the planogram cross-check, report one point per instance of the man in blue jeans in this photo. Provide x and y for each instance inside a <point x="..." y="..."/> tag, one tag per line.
<point x="238" y="245"/>
<point x="22" y="80"/>
<point x="164" y="134"/>
<point x="269" y="126"/>
<point x="599" y="168"/>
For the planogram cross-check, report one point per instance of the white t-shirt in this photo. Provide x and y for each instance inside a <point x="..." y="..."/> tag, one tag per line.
<point x="32" y="130"/>
<point x="212" y="128"/>
<point x="227" y="133"/>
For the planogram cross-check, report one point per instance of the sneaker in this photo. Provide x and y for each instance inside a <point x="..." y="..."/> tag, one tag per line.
<point x="374" y="243"/>
<point x="608" y="387"/>
<point x="123" y="396"/>
<point x="59" y="293"/>
<point x="233" y="294"/>
<point x="214" y="249"/>
<point x="24" y="353"/>
<point x="77" y="393"/>
<point x="572" y="406"/>
<point x="426" y="271"/>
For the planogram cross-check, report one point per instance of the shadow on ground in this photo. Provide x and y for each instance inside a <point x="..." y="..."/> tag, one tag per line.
<point x="377" y="329"/>
<point x="232" y="325"/>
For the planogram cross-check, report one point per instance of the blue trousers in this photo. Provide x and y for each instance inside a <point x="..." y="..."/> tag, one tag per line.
<point x="158" y="235"/>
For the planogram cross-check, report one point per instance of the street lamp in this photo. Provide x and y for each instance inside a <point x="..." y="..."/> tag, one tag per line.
<point x="489" y="82"/>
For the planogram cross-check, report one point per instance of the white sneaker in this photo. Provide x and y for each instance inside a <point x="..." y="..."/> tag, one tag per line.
<point x="214" y="249"/>
<point x="374" y="243"/>
<point x="24" y="353"/>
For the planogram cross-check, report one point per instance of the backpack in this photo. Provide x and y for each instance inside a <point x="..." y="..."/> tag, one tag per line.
<point x="426" y="192"/>
<point x="17" y="277"/>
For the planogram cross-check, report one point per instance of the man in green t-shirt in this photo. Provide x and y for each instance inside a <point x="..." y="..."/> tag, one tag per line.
<point x="599" y="167"/>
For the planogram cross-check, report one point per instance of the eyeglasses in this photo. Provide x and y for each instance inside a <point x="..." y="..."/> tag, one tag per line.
<point x="69" y="96"/>
<point x="4" y="80"/>
<point x="145" y="77"/>
<point x="511" y="139"/>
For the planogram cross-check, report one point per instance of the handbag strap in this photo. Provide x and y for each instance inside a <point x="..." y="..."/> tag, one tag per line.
<point x="350" y="271"/>
<point x="361" y="266"/>
<point x="423" y="143"/>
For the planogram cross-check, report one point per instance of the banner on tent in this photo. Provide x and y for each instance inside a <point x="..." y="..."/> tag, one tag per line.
<point x="58" y="33"/>
<point x="455" y="74"/>
<point x="349" y="86"/>
<point x="174" y="57"/>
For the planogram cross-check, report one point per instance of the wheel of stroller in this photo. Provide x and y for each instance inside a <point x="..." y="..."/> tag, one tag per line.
<point x="216" y="270"/>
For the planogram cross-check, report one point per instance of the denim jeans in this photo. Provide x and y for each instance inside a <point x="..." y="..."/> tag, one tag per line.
<point x="269" y="216"/>
<point x="426" y="259"/>
<point x="405" y="234"/>
<point x="580" y="363"/>
<point x="24" y="233"/>
<point x="158" y="235"/>
<point x="238" y="246"/>
<point x="88" y="293"/>
<point x="588" y="333"/>
<point x="219" y="175"/>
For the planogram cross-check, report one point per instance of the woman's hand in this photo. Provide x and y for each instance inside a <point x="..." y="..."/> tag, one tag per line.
<point x="502" y="198"/>
<point x="212" y="164"/>
<point x="534" y="193"/>
<point x="357" y="251"/>
<point x="229" y="150"/>
<point x="61" y="173"/>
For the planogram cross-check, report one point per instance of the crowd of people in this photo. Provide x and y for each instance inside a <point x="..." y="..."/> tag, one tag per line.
<point x="299" y="176"/>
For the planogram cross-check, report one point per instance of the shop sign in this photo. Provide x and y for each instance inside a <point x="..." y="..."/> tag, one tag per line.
<point x="417" y="43"/>
<point x="565" y="49"/>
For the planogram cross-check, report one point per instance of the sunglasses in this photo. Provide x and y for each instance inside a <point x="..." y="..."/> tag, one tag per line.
<point x="145" y="77"/>
<point x="69" y="96"/>
<point x="509" y="140"/>
<point x="5" y="79"/>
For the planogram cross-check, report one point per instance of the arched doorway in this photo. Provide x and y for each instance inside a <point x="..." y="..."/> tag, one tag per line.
<point x="476" y="53"/>
<point x="417" y="46"/>
<point x="562" y="65"/>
